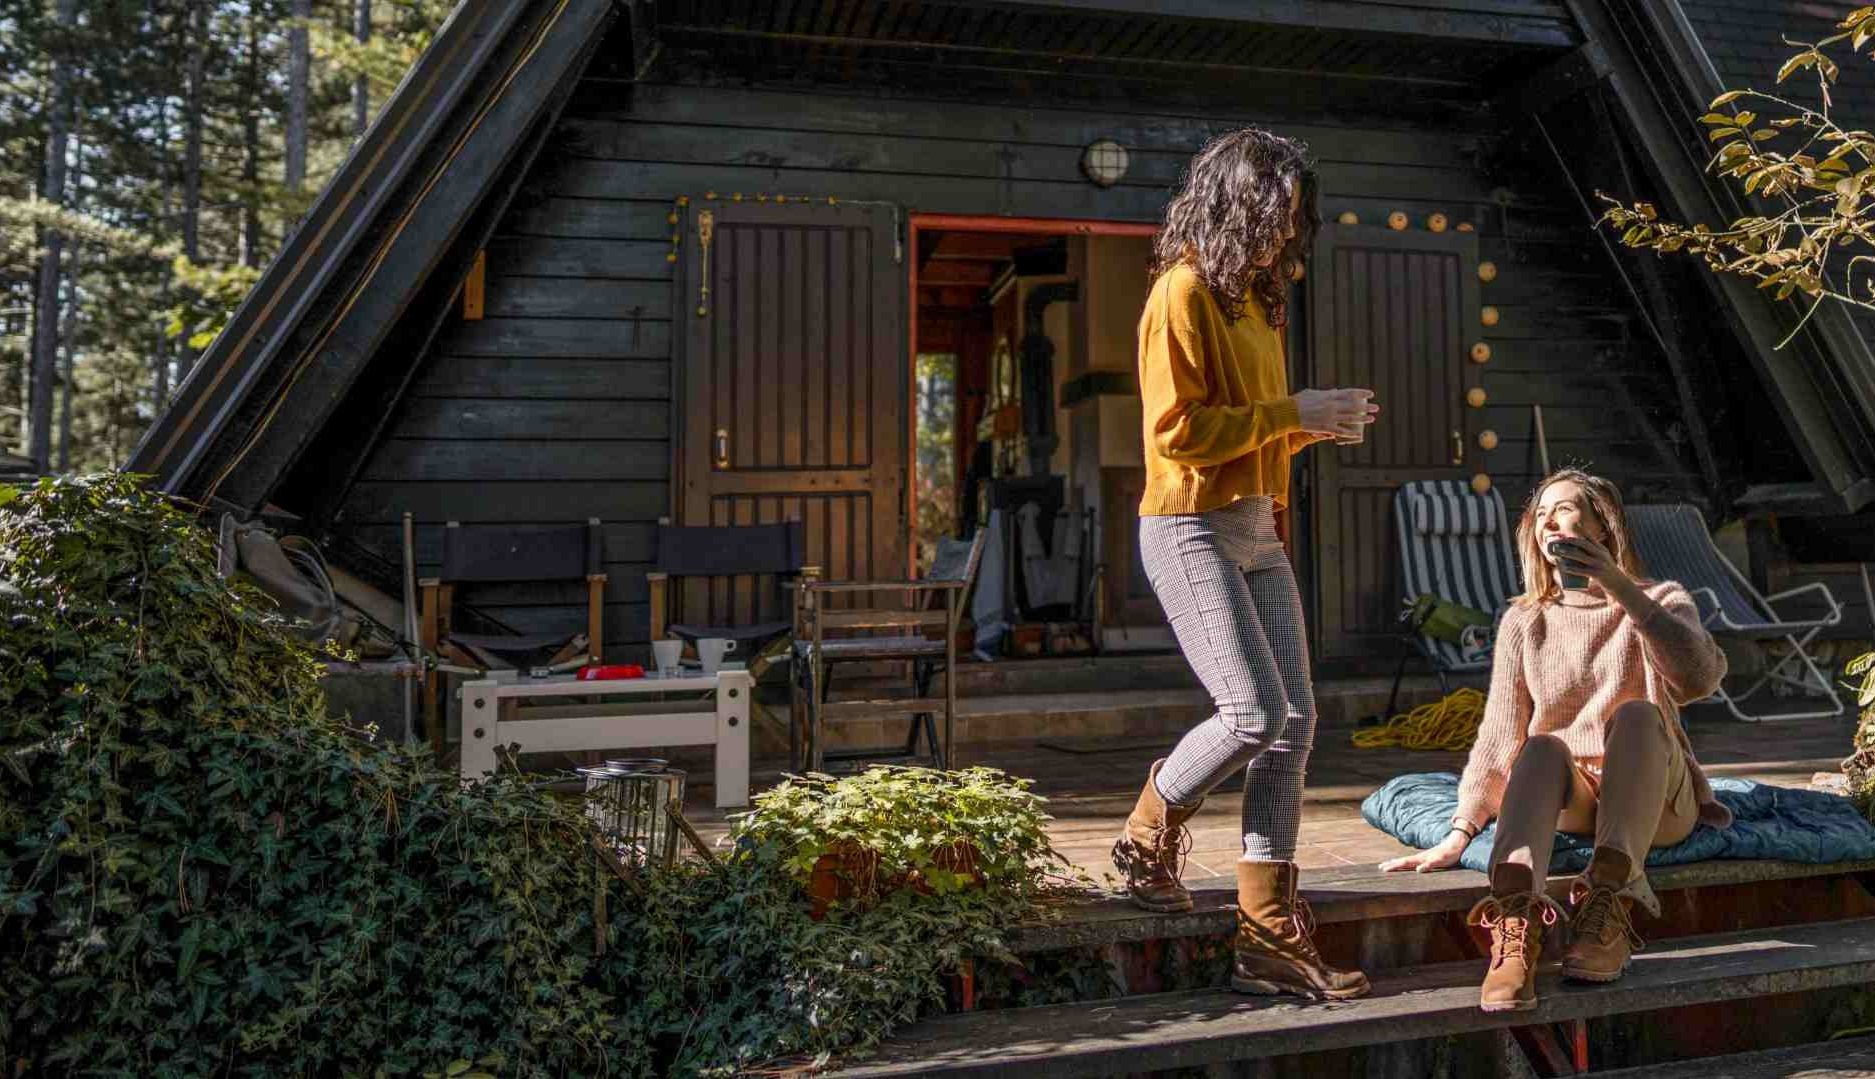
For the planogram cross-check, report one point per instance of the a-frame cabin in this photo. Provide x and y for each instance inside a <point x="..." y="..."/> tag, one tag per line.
<point x="496" y="313"/>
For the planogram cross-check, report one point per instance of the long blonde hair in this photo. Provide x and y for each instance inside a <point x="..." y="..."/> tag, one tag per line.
<point x="1603" y="504"/>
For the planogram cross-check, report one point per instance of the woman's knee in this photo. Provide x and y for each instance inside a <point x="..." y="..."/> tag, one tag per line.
<point x="1545" y="751"/>
<point x="1636" y="719"/>
<point x="1262" y="718"/>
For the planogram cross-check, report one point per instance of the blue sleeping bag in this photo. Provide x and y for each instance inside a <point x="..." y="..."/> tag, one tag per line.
<point x="1769" y="822"/>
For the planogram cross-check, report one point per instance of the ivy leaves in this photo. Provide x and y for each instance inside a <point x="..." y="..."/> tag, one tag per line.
<point x="201" y="873"/>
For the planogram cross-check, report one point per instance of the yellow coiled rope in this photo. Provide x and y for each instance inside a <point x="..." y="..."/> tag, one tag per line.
<point x="1448" y="723"/>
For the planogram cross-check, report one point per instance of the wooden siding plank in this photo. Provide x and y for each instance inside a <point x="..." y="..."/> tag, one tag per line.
<point x="624" y="542"/>
<point x="582" y="257"/>
<point x="580" y="298"/>
<point x="661" y="120"/>
<point x="499" y="418"/>
<point x="931" y="176"/>
<point x="548" y="337"/>
<point x="515" y="459"/>
<point x="503" y="501"/>
<point x="593" y="219"/>
<point x="525" y="377"/>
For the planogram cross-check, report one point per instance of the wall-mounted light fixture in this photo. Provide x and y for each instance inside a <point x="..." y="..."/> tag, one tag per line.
<point x="1105" y="161"/>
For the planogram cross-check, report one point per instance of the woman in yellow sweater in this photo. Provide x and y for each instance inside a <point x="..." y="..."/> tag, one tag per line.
<point x="1581" y="733"/>
<point x="1220" y="428"/>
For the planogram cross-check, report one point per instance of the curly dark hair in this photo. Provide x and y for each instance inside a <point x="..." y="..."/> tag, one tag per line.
<point x="1230" y="210"/>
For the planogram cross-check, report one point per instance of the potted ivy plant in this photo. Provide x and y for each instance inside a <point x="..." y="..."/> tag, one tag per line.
<point x="858" y="839"/>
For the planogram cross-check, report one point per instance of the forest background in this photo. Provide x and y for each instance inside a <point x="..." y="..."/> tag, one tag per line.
<point x="154" y="154"/>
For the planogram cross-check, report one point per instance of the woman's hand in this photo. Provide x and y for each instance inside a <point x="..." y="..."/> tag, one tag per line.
<point x="1342" y="413"/>
<point x="1443" y="856"/>
<point x="1583" y="557"/>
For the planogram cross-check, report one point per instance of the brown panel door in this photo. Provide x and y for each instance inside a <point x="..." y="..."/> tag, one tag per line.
<point x="795" y="385"/>
<point x="1398" y="312"/>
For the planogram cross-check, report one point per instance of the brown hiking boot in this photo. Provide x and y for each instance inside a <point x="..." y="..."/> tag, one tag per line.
<point x="1275" y="952"/>
<point x="1515" y="914"/>
<point x="1151" y="851"/>
<point x="1601" y="931"/>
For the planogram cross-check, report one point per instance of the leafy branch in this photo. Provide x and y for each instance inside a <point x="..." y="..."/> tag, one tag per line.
<point x="1820" y="191"/>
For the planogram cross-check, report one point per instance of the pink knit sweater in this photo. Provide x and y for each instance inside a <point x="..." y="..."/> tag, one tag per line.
<point x="1562" y="668"/>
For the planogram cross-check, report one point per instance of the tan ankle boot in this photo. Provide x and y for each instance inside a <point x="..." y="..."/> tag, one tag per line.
<point x="1150" y="851"/>
<point x="1516" y="914"/>
<point x="1274" y="951"/>
<point x="1602" y="937"/>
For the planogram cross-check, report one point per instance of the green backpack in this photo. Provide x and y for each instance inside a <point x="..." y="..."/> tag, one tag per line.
<point x="1441" y="619"/>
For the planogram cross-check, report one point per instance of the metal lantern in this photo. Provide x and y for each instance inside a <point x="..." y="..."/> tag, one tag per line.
<point x="630" y="801"/>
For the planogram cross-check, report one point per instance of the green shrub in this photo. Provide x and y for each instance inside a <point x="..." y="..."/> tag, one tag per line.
<point x="202" y="874"/>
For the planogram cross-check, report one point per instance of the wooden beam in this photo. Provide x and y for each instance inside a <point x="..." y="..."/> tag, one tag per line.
<point x="643" y="15"/>
<point x="1513" y="22"/>
<point x="474" y="287"/>
<point x="1578" y="70"/>
<point x="990" y="247"/>
<point x="957" y="272"/>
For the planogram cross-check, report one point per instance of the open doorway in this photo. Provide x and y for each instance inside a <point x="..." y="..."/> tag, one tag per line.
<point x="1026" y="398"/>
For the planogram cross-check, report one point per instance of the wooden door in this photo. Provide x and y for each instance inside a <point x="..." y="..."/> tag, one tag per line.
<point x="1397" y="312"/>
<point x="795" y="385"/>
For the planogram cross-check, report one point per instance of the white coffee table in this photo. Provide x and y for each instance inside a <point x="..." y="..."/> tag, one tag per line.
<point x="611" y="720"/>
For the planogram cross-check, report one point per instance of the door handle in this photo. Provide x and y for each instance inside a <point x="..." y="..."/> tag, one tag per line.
<point x="1458" y="447"/>
<point x="722" y="447"/>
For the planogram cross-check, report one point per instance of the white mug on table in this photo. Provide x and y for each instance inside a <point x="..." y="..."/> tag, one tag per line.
<point x="711" y="651"/>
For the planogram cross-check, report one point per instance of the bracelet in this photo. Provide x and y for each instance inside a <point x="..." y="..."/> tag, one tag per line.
<point x="1461" y="830"/>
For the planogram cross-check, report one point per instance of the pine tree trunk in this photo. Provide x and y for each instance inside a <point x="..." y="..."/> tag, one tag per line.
<point x="250" y="166"/>
<point x="298" y="75"/>
<point x="47" y="308"/>
<point x="194" y="109"/>
<point x="361" y="87"/>
<point x="159" y="355"/>
<point x="68" y="326"/>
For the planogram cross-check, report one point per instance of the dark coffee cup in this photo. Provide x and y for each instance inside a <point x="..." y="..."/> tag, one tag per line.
<point x="1561" y="548"/>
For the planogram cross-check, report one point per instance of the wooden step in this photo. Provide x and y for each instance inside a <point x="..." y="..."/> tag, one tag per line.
<point x="1362" y="893"/>
<point x="1179" y="1030"/>
<point x="1820" y="1060"/>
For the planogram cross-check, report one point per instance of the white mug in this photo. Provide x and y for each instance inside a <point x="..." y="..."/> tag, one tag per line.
<point x="711" y="651"/>
<point x="668" y="654"/>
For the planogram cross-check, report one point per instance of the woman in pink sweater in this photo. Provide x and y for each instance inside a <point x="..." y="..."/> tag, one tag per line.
<point x="1581" y="733"/>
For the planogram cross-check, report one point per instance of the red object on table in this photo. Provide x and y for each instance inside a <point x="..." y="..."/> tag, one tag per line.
<point x="610" y="672"/>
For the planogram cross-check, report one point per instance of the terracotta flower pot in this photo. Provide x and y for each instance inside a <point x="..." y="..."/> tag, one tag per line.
<point x="845" y="872"/>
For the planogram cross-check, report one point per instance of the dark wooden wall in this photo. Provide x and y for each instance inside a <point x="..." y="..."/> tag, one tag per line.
<point x="556" y="406"/>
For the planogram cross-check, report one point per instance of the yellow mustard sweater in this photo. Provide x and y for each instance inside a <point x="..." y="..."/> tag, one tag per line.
<point x="1219" y="422"/>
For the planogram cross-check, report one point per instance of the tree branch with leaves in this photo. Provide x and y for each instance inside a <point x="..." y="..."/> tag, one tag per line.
<point x="1822" y="191"/>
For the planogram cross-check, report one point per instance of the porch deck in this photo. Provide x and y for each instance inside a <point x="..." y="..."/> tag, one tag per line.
<point x="1091" y="783"/>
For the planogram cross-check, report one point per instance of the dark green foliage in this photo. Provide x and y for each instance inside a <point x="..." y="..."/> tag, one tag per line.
<point x="202" y="874"/>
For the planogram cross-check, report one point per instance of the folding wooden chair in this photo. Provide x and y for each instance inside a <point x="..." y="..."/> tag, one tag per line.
<point x="815" y="653"/>
<point x="750" y="567"/>
<point x="491" y="555"/>
<point x="1674" y="545"/>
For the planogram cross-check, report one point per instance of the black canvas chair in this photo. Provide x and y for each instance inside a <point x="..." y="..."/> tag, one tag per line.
<point x="507" y="555"/>
<point x="756" y="614"/>
<point x="815" y="654"/>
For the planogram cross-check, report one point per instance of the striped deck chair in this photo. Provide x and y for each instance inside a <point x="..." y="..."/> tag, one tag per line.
<point x="1674" y="545"/>
<point x="1455" y="545"/>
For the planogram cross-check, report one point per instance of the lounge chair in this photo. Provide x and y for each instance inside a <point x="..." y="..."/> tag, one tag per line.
<point x="1674" y="545"/>
<point x="1456" y="545"/>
